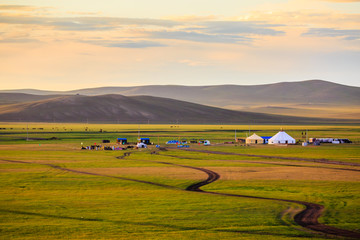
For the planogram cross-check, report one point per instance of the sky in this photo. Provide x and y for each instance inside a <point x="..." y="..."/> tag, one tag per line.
<point x="67" y="44"/>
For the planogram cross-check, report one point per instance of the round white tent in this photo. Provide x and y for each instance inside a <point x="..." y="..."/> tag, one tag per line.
<point x="282" y="138"/>
<point x="141" y="145"/>
<point x="254" y="139"/>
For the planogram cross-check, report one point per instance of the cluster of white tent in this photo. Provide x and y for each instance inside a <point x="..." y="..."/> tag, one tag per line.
<point x="279" y="138"/>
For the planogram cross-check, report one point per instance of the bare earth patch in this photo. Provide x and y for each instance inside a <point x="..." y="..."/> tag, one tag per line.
<point x="171" y="172"/>
<point x="287" y="173"/>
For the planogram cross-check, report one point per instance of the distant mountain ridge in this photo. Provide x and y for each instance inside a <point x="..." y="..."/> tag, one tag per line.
<point x="135" y="109"/>
<point x="304" y="92"/>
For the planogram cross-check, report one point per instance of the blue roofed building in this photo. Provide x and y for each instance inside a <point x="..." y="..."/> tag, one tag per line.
<point x="121" y="140"/>
<point x="266" y="139"/>
<point x="145" y="140"/>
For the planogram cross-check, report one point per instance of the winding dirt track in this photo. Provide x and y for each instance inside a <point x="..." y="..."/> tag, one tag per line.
<point x="325" y="161"/>
<point x="307" y="218"/>
<point x="270" y="163"/>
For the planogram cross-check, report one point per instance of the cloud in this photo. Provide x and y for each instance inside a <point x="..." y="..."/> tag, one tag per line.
<point x="83" y="13"/>
<point x="18" y="40"/>
<point x="16" y="7"/>
<point x="199" y="37"/>
<point x="125" y="43"/>
<point x="109" y="23"/>
<point x="241" y="27"/>
<point x="192" y="18"/>
<point x="86" y="23"/>
<point x="233" y="32"/>
<point x="347" y="34"/>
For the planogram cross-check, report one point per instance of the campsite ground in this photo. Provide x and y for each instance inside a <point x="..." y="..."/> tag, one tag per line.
<point x="50" y="189"/>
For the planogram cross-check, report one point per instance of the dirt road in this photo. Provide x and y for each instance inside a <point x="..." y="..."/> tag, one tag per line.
<point x="324" y="161"/>
<point x="307" y="218"/>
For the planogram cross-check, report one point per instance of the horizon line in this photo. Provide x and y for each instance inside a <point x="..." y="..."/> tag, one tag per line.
<point x="147" y="85"/>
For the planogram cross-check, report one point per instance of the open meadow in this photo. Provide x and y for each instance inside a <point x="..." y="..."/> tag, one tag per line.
<point x="51" y="189"/>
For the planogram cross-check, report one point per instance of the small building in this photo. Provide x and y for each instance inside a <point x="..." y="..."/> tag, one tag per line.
<point x="121" y="141"/>
<point x="173" y="142"/>
<point x="206" y="143"/>
<point x="240" y="140"/>
<point x="254" y="139"/>
<point x="141" y="145"/>
<point x="329" y="140"/>
<point x="321" y="140"/>
<point x="266" y="139"/>
<point x="145" y="140"/>
<point x="282" y="138"/>
<point x="105" y="141"/>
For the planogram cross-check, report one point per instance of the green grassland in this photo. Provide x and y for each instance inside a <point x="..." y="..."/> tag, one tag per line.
<point x="105" y="200"/>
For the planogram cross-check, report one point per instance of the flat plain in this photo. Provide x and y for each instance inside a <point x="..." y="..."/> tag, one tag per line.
<point x="51" y="189"/>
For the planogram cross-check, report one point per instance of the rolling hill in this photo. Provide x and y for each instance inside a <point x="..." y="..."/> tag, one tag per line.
<point x="135" y="109"/>
<point x="306" y="92"/>
<point x="9" y="98"/>
<point x="313" y="98"/>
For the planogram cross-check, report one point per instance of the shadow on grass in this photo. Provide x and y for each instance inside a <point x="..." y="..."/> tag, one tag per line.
<point x="169" y="226"/>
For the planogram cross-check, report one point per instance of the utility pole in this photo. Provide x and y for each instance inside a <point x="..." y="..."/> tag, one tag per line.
<point x="235" y="135"/>
<point x="139" y="132"/>
<point x="27" y="132"/>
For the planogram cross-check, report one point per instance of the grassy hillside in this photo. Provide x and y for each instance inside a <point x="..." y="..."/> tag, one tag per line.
<point x="118" y="108"/>
<point x="304" y="110"/>
<point x="10" y="98"/>
<point x="314" y="98"/>
<point x="312" y="91"/>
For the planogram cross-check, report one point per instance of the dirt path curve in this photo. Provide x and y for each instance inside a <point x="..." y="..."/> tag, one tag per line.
<point x="307" y="218"/>
<point x="321" y="160"/>
<point x="268" y="163"/>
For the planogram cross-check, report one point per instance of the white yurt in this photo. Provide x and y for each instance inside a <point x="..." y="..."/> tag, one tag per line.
<point x="254" y="139"/>
<point x="141" y="145"/>
<point x="282" y="138"/>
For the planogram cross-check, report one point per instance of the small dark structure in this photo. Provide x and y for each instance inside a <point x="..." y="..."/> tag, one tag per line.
<point x="121" y="141"/>
<point x="266" y="139"/>
<point x="241" y="140"/>
<point x="145" y="140"/>
<point x="106" y="141"/>
<point x="183" y="146"/>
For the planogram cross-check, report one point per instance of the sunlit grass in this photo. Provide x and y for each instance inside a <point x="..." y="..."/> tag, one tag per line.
<point x="38" y="201"/>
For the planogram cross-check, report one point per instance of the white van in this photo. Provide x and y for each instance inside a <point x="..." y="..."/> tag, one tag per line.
<point x="206" y="143"/>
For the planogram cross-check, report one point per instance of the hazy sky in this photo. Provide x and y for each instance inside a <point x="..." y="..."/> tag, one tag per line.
<point x="71" y="44"/>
